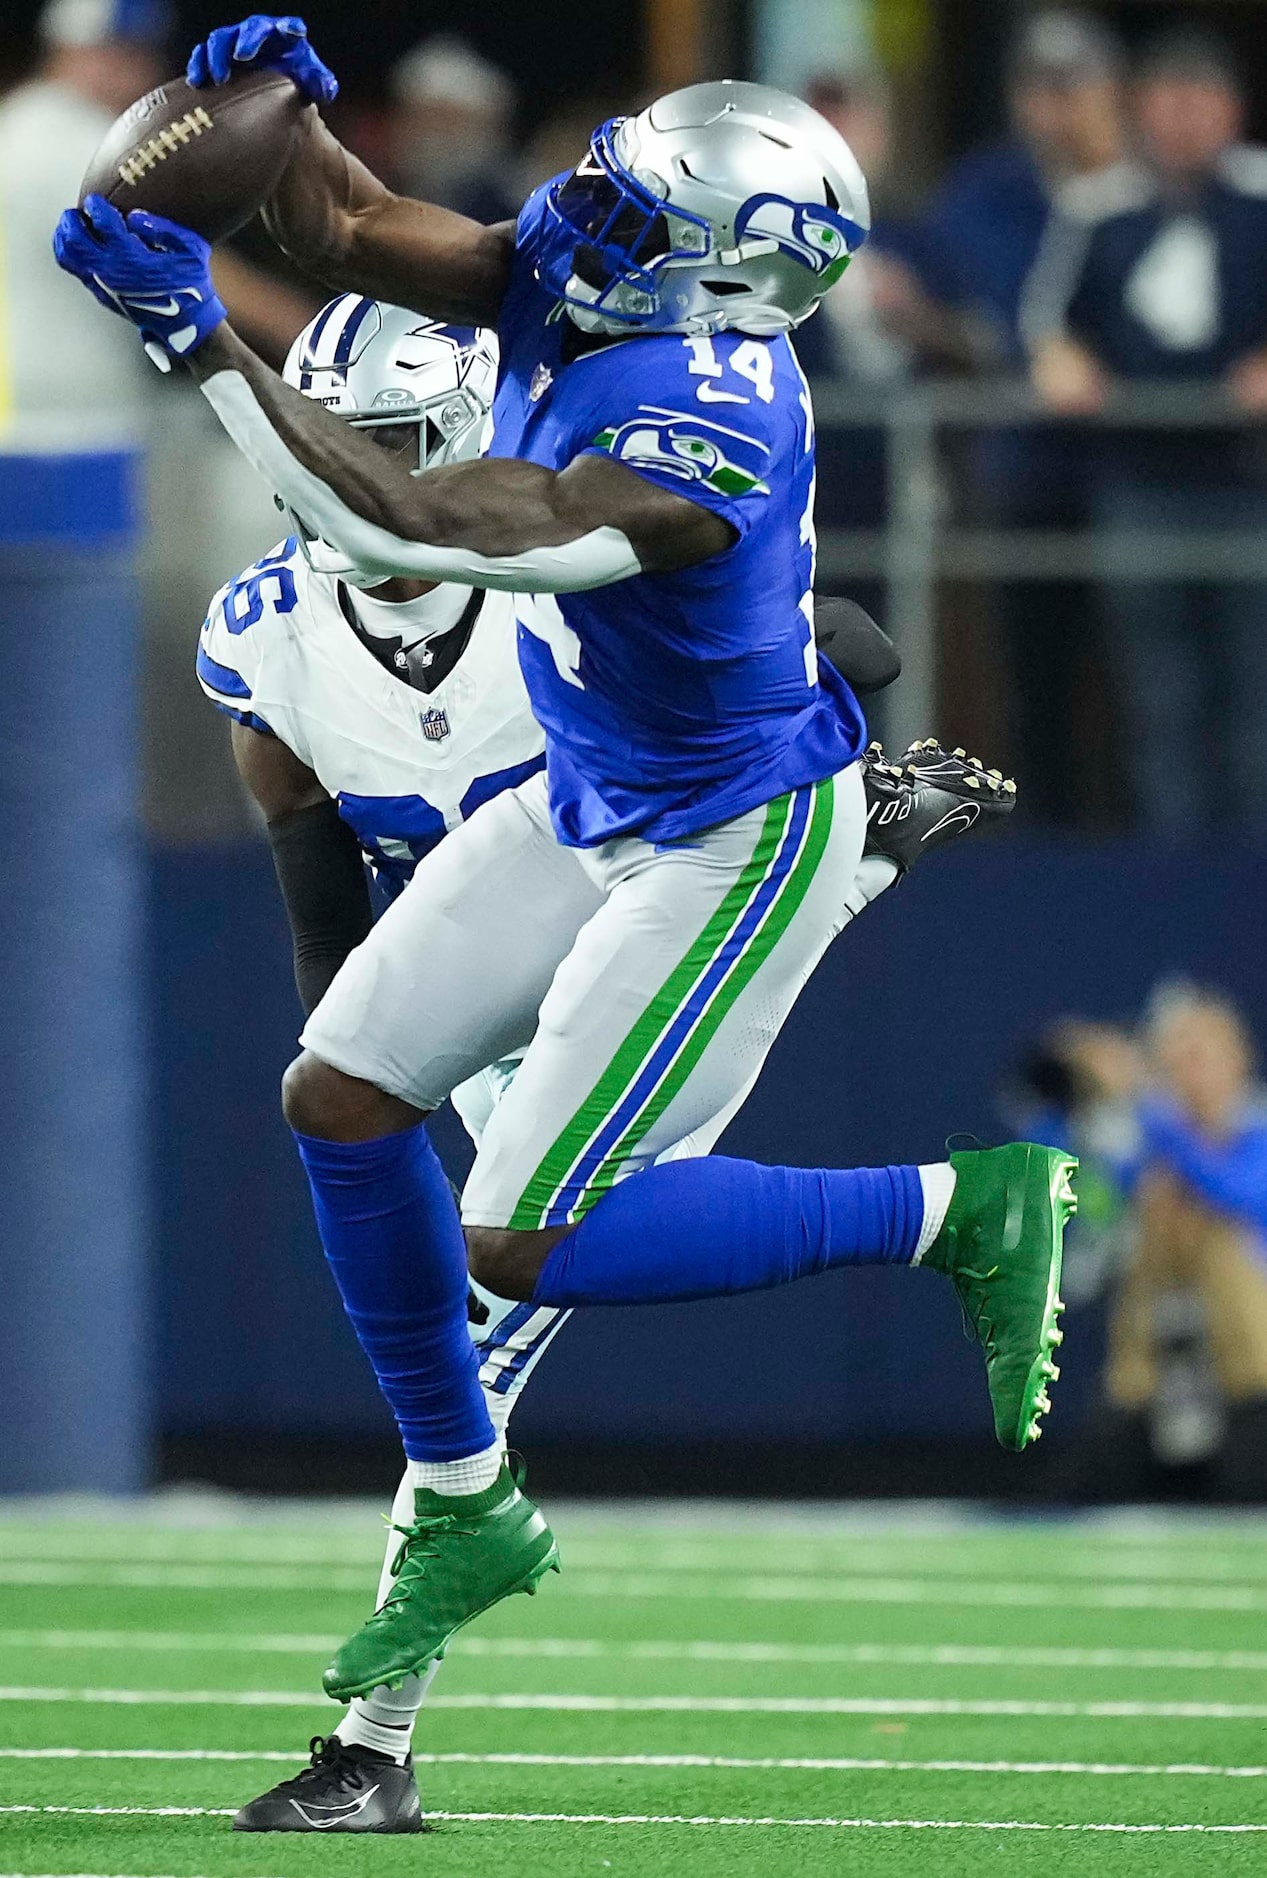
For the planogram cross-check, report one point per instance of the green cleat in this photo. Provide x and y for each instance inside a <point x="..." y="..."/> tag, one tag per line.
<point x="462" y="1555"/>
<point x="1000" y="1247"/>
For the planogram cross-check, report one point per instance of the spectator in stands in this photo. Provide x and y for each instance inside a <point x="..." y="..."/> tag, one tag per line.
<point x="881" y="321"/>
<point x="876" y="328"/>
<point x="69" y="369"/>
<point x="988" y="222"/>
<point x="1172" y="286"/>
<point x="450" y="132"/>
<point x="1189" y="1333"/>
<point x="73" y="380"/>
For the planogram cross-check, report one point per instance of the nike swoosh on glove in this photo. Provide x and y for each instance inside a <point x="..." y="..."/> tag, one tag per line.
<point x="152" y="271"/>
<point x="266" y="41"/>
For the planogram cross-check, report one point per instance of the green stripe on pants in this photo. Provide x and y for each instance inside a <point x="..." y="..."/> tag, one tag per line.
<point x="560" y="1160"/>
<point x="738" y="978"/>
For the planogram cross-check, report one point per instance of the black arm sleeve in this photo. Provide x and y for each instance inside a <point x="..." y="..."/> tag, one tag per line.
<point x="322" y="878"/>
<point x="861" y="651"/>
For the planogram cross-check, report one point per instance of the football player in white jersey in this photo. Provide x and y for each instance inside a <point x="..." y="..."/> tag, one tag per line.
<point x="369" y="718"/>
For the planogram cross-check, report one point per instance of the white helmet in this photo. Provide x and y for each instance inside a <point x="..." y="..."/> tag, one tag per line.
<point x="382" y="367"/>
<point x="725" y="205"/>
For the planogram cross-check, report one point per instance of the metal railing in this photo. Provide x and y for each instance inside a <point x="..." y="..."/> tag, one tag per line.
<point x="922" y="544"/>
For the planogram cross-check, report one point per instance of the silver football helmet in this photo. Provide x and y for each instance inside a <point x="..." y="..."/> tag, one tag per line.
<point x="426" y="390"/>
<point x="724" y="205"/>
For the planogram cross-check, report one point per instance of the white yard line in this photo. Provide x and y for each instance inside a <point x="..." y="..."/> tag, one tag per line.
<point x="248" y="1643"/>
<point x="210" y="1552"/>
<point x="665" y="1704"/>
<point x="659" y="1585"/>
<point x="190" y="1512"/>
<point x="765" y="1764"/>
<point x="931" y="1592"/>
<point x="186" y="1577"/>
<point x="595" y="1649"/>
<point x="670" y="1819"/>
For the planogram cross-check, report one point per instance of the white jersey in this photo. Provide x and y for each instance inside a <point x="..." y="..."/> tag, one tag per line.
<point x="405" y="766"/>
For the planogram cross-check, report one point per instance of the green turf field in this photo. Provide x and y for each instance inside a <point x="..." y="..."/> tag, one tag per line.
<point x="715" y="1692"/>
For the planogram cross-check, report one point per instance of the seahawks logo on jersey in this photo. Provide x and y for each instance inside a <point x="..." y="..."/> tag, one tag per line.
<point x="679" y="445"/>
<point x="811" y="233"/>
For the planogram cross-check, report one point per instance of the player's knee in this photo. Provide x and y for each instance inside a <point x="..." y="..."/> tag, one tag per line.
<point x="321" y="1101"/>
<point x="507" y="1263"/>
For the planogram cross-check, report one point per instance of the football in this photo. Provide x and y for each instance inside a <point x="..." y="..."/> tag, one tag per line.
<point x="206" y="158"/>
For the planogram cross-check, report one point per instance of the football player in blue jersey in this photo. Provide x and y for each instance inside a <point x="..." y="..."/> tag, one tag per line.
<point x="369" y="717"/>
<point x="640" y="917"/>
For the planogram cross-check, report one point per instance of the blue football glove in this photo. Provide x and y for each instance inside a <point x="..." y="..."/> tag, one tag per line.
<point x="266" y="41"/>
<point x="152" y="271"/>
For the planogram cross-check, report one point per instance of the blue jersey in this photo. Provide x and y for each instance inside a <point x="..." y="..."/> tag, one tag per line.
<point x="671" y="702"/>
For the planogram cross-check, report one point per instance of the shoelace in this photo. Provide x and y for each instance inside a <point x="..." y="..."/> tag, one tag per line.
<point x="978" y="1325"/>
<point x="418" y="1547"/>
<point x="329" y="1759"/>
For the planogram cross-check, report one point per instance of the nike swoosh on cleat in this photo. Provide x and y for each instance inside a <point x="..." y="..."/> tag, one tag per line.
<point x="337" y="1813"/>
<point x="963" y="816"/>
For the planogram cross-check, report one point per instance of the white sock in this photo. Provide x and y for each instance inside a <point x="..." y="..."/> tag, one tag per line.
<point x="384" y="1719"/>
<point x="469" y="1475"/>
<point x="938" y="1182"/>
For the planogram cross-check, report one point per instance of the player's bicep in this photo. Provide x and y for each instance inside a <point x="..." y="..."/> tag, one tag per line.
<point x="429" y="259"/>
<point x="333" y="216"/>
<point x="666" y="530"/>
<point x="280" y="783"/>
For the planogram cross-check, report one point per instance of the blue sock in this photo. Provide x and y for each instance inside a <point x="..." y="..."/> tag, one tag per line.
<point x="700" y="1229"/>
<point x="394" y="1242"/>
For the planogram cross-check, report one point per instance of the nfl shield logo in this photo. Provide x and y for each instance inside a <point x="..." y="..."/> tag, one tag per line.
<point x="542" y="379"/>
<point x="435" y="725"/>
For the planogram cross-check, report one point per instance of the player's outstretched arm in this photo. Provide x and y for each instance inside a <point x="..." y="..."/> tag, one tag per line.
<point x="317" y="858"/>
<point x="496" y="522"/>
<point x="334" y="217"/>
<point x="340" y="224"/>
<point x="491" y="523"/>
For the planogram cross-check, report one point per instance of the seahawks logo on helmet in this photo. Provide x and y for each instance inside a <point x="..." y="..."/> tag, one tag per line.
<point x="678" y="448"/>
<point x="816" y="236"/>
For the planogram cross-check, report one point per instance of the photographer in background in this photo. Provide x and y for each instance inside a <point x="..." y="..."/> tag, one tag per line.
<point x="1076" y="1088"/>
<point x="1171" y="1131"/>
<point x="1202" y="1209"/>
<point x="1186" y="1377"/>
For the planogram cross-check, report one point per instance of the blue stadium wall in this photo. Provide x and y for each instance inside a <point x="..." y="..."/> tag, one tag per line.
<point x="900" y="1040"/>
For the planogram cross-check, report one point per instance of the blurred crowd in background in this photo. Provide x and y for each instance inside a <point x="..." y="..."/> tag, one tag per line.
<point x="1115" y="236"/>
<point x="1105" y="258"/>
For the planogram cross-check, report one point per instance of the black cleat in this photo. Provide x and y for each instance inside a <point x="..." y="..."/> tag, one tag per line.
<point x="344" y="1788"/>
<point x="928" y="797"/>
